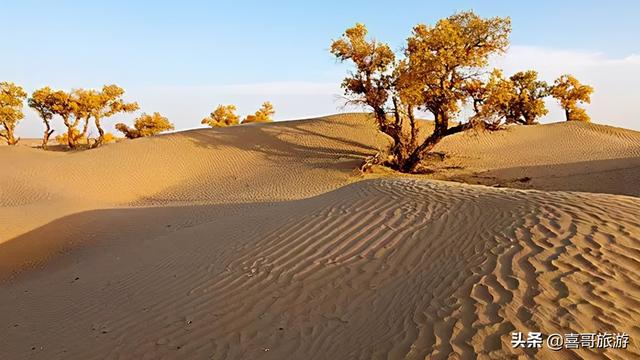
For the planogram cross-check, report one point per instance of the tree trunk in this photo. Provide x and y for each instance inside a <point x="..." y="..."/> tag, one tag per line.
<point x="398" y="149"/>
<point x="11" y="140"/>
<point x="85" y="128"/>
<point x="411" y="163"/>
<point x="527" y="119"/>
<point x="414" y="129"/>
<point x="476" y="106"/>
<point x="421" y="151"/>
<point x="100" y="138"/>
<point x="396" y="112"/>
<point x="71" y="140"/>
<point x="442" y="124"/>
<point x="46" y="136"/>
<point x="381" y="116"/>
<point x="8" y="134"/>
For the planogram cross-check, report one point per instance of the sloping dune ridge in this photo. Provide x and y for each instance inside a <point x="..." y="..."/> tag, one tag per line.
<point x="263" y="242"/>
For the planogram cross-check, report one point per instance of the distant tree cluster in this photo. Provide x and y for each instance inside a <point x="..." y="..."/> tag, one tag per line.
<point x="79" y="108"/>
<point x="443" y="68"/>
<point x="76" y="109"/>
<point x="225" y="115"/>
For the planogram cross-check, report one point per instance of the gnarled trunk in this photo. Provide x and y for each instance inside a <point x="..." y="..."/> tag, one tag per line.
<point x="414" y="129"/>
<point x="46" y="136"/>
<point x="71" y="140"/>
<point x="8" y="134"/>
<point x="442" y="129"/>
<point x="100" y="138"/>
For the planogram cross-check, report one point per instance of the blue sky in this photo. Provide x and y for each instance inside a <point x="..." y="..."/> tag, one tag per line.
<point x="183" y="58"/>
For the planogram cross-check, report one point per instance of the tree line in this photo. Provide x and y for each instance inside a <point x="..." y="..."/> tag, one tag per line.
<point x="225" y="115"/>
<point x="444" y="67"/>
<point x="441" y="68"/>
<point x="79" y="108"/>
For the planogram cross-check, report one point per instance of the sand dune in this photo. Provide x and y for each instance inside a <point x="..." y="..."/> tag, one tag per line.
<point x="262" y="242"/>
<point x="568" y="156"/>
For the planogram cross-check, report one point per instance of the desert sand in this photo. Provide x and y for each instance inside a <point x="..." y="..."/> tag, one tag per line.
<point x="264" y="242"/>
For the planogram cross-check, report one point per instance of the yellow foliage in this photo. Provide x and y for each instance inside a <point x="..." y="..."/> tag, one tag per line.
<point x="529" y="95"/>
<point x="223" y="115"/>
<point x="106" y="103"/>
<point x="263" y="114"/>
<point x="72" y="108"/>
<point x="42" y="102"/>
<point x="569" y="91"/>
<point x="442" y="65"/>
<point x="518" y="100"/>
<point x="11" y="101"/>
<point x="370" y="83"/>
<point x="78" y="138"/>
<point x="146" y="125"/>
<point x="443" y="58"/>
<point x="109" y="138"/>
<point x="78" y="107"/>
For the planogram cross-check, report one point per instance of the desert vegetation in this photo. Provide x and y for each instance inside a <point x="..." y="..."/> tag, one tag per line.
<point x="107" y="103"/>
<point x="569" y="92"/>
<point x="262" y="115"/>
<point x="443" y="68"/>
<point x="41" y="102"/>
<point x="223" y="115"/>
<point x="11" y="100"/>
<point x="76" y="137"/>
<point x="247" y="239"/>
<point x="77" y="109"/>
<point x="146" y="125"/>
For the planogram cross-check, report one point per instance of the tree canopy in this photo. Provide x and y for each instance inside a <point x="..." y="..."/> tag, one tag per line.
<point x="41" y="101"/>
<point x="516" y="100"/>
<point x="11" y="101"/>
<point x="76" y="108"/>
<point x="223" y="115"/>
<point x="146" y="125"/>
<point x="264" y="114"/>
<point x="442" y="64"/>
<point x="106" y="103"/>
<point x="370" y="82"/>
<point x="72" y="109"/>
<point x="569" y="92"/>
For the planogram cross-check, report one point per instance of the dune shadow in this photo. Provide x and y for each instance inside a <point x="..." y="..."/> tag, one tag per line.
<point x="611" y="176"/>
<point x="60" y="241"/>
<point x="290" y="140"/>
